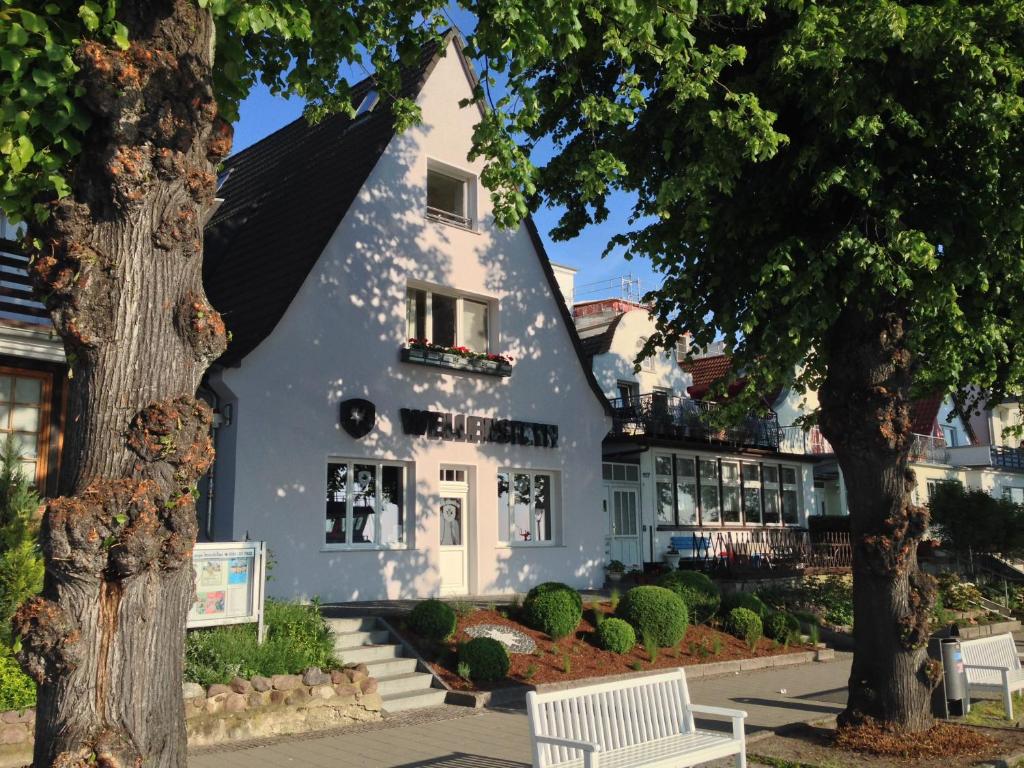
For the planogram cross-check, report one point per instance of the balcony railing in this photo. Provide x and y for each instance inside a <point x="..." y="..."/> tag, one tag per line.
<point x="929" y="448"/>
<point x="17" y="301"/>
<point x="1008" y="458"/>
<point x="682" y="418"/>
<point x="809" y="442"/>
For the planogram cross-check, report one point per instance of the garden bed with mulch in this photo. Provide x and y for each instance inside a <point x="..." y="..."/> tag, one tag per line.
<point x="946" y="745"/>
<point x="578" y="656"/>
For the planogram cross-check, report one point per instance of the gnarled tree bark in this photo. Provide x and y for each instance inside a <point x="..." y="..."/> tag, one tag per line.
<point x="865" y="414"/>
<point x="120" y="269"/>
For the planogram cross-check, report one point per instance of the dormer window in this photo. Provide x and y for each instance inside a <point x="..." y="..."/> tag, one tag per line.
<point x="450" y="195"/>
<point x="368" y="103"/>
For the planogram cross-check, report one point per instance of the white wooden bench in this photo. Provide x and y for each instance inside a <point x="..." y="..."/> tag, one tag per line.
<point x="993" y="664"/>
<point x="639" y="722"/>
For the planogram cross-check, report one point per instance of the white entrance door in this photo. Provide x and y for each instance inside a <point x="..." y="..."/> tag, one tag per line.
<point x="623" y="505"/>
<point x="453" y="521"/>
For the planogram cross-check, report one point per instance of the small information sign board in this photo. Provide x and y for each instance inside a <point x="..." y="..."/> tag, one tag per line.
<point x="230" y="580"/>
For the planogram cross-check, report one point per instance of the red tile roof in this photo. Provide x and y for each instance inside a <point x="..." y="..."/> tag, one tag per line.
<point x="924" y="413"/>
<point x="706" y="371"/>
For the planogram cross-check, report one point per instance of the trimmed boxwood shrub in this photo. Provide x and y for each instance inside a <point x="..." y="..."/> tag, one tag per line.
<point x="433" y="620"/>
<point x="486" y="657"/>
<point x="701" y="595"/>
<point x="781" y="626"/>
<point x="745" y="624"/>
<point x="554" y="609"/>
<point x="616" y="635"/>
<point x="744" y="600"/>
<point x="656" y="613"/>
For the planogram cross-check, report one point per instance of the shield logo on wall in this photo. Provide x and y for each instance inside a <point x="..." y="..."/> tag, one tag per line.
<point x="358" y="417"/>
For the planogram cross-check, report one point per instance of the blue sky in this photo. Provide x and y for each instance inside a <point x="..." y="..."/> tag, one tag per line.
<point x="262" y="114"/>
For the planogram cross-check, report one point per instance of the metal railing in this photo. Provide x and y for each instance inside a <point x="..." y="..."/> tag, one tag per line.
<point x="929" y="448"/>
<point x="682" y="418"/>
<point x="17" y="301"/>
<point x="440" y="214"/>
<point x="1008" y="458"/>
<point x="809" y="442"/>
<point x="770" y="550"/>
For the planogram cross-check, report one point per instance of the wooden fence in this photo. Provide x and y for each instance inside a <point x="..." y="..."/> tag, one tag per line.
<point x="768" y="550"/>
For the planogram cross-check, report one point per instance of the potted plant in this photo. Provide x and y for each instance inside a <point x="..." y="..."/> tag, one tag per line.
<point x="671" y="557"/>
<point x="615" y="570"/>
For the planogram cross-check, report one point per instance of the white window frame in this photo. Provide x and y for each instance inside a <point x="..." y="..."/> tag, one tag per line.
<point x="647" y="364"/>
<point x="407" y="506"/>
<point x="467" y="219"/>
<point x="1008" y="493"/>
<point x="795" y="487"/>
<point x="460" y="298"/>
<point x="505" y="526"/>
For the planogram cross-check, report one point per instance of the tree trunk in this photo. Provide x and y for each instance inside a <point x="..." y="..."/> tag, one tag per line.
<point x="865" y="414"/>
<point x="120" y="268"/>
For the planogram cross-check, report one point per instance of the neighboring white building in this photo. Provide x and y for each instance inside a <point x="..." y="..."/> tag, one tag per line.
<point x="336" y="245"/>
<point x="667" y="475"/>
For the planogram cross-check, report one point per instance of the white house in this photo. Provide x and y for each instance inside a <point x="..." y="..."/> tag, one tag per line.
<point x="374" y="464"/>
<point x="669" y="476"/>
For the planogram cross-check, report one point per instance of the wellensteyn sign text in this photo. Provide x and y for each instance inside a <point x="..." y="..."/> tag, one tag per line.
<point x="477" y="429"/>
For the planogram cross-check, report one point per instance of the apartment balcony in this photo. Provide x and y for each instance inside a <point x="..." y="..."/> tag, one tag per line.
<point x="1008" y="458"/>
<point x="806" y="442"/>
<point x="994" y="456"/>
<point x="670" y="417"/>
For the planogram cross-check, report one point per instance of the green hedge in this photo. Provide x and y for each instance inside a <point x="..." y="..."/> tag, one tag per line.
<point x="297" y="638"/>
<point x="701" y="595"/>
<point x="657" y="613"/>
<point x="17" y="690"/>
<point x="433" y="620"/>
<point x="745" y="624"/>
<point x="781" y="627"/>
<point x="744" y="600"/>
<point x="616" y="635"/>
<point x="487" y="659"/>
<point x="554" y="609"/>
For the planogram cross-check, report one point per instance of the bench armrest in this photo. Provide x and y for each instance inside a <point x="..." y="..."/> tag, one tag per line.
<point x="583" y="746"/>
<point x="719" y="711"/>
<point x="737" y="715"/>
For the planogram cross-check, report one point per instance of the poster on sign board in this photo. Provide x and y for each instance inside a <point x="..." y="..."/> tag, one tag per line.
<point x="229" y="583"/>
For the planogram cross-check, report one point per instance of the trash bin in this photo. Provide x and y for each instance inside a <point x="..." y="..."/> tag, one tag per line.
<point x="954" y="679"/>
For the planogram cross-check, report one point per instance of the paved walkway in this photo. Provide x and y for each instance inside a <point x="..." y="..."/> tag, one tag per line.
<point x="455" y="737"/>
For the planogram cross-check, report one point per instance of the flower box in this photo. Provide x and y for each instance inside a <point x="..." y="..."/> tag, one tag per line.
<point x="455" y="362"/>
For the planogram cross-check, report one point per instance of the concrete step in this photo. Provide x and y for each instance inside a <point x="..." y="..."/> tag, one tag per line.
<point x="430" y="697"/>
<point x="364" y="637"/>
<point x="353" y="624"/>
<point x="391" y="667"/>
<point x="414" y="681"/>
<point x="364" y="654"/>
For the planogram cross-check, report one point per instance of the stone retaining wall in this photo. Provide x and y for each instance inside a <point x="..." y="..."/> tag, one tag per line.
<point x="243" y="709"/>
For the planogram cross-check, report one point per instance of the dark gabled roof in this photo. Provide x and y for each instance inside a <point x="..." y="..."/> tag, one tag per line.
<point x="283" y="200"/>
<point x="600" y="343"/>
<point x="254" y="262"/>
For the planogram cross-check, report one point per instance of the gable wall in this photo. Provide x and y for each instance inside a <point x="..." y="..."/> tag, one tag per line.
<point x="340" y="339"/>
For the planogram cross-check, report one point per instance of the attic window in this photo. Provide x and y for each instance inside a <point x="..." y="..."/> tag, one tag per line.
<point x="449" y="197"/>
<point x="222" y="177"/>
<point x="368" y="103"/>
